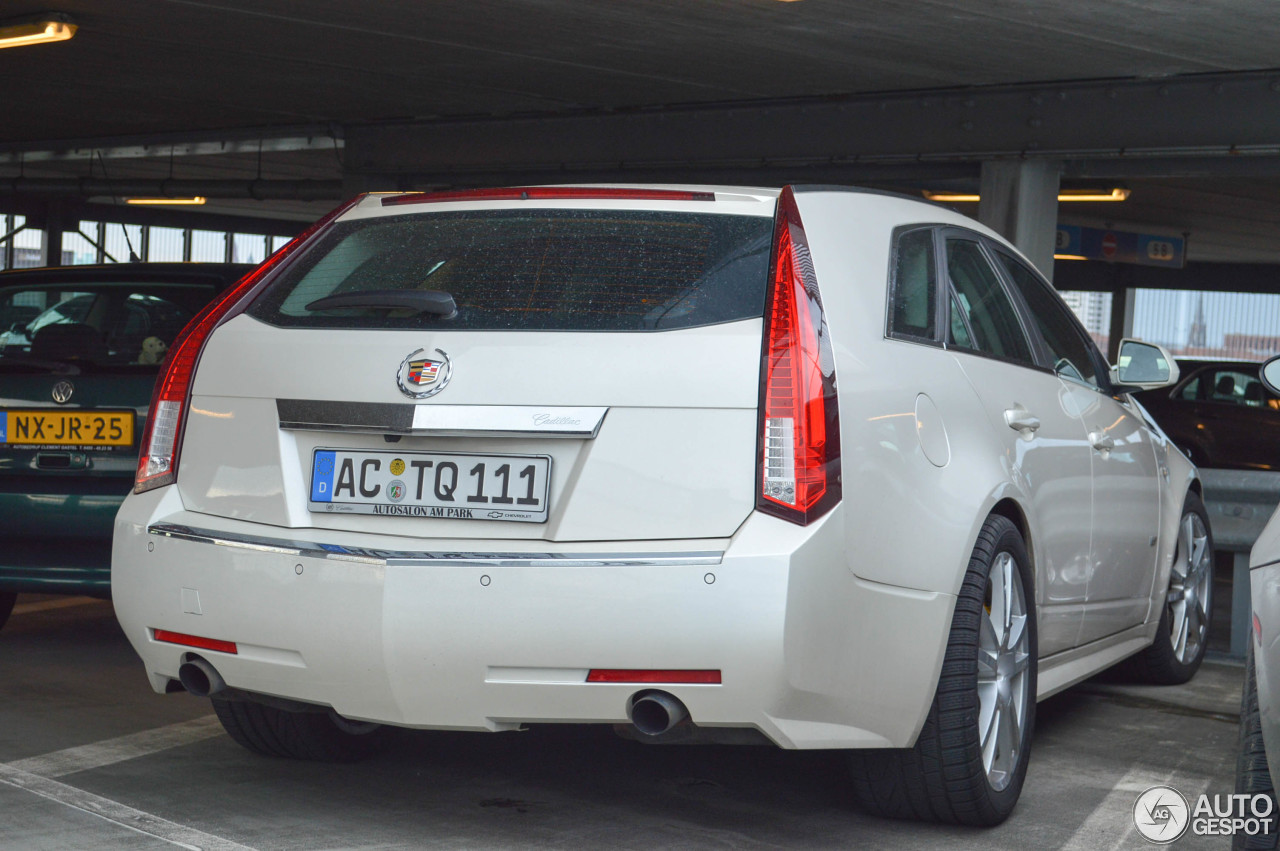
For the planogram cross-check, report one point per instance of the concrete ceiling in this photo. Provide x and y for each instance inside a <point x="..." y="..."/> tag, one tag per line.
<point x="171" y="73"/>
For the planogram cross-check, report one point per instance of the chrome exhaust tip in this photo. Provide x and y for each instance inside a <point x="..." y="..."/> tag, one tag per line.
<point x="655" y="712"/>
<point x="200" y="678"/>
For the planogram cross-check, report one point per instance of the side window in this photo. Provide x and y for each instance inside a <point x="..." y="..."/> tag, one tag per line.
<point x="1191" y="390"/>
<point x="989" y="317"/>
<point x="914" y="289"/>
<point x="1237" y="388"/>
<point x="1072" y="351"/>
<point x="958" y="333"/>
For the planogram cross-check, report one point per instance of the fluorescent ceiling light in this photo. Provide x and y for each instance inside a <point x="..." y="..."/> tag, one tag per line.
<point x="952" y="197"/>
<point x="198" y="199"/>
<point x="1116" y="194"/>
<point x="1069" y="257"/>
<point x="36" y="30"/>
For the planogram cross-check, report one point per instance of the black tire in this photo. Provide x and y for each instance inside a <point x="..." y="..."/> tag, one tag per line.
<point x="1166" y="662"/>
<point x="269" y="731"/>
<point x="1253" y="775"/>
<point x="7" y="599"/>
<point x="943" y="777"/>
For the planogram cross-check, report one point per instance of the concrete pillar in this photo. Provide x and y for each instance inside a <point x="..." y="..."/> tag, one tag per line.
<point x="1020" y="202"/>
<point x="51" y="236"/>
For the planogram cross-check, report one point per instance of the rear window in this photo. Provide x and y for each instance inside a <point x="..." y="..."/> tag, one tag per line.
<point x="93" y="327"/>
<point x="568" y="270"/>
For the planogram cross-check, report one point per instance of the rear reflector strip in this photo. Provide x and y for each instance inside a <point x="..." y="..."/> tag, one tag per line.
<point x="194" y="641"/>
<point x="559" y="193"/>
<point x="607" y="675"/>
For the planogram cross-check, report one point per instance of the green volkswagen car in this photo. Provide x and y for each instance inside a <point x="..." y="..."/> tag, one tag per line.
<point x="80" y="348"/>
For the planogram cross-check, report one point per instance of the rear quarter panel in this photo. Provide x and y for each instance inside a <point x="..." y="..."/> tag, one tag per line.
<point x="910" y="522"/>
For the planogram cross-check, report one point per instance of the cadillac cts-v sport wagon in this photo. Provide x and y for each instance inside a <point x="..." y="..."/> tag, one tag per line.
<point x="826" y="467"/>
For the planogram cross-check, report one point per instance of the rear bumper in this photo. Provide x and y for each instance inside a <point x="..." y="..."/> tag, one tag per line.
<point x="809" y="655"/>
<point x="36" y="566"/>
<point x="58" y="543"/>
<point x="62" y="515"/>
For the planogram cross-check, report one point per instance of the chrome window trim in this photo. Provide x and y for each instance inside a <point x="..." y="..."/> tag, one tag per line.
<point x="405" y="558"/>
<point x="441" y="420"/>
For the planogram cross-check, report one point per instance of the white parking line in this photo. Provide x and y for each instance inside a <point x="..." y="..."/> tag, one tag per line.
<point x="111" y="751"/>
<point x="1110" y="826"/>
<point x="35" y="774"/>
<point x="117" y="813"/>
<point x="47" y="605"/>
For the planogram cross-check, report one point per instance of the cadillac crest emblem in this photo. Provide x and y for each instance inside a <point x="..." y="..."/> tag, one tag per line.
<point x="420" y="377"/>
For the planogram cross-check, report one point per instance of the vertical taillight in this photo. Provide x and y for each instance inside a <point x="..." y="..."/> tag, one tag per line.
<point x="799" y="476"/>
<point x="166" y="418"/>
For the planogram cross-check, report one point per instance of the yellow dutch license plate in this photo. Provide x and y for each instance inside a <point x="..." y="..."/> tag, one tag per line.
<point x="67" y="428"/>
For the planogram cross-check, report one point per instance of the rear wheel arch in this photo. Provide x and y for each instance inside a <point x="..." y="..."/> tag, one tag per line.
<point x="1185" y="603"/>
<point x="1009" y="507"/>
<point x="969" y="761"/>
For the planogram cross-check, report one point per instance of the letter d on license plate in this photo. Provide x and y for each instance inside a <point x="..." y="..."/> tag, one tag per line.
<point x="443" y="485"/>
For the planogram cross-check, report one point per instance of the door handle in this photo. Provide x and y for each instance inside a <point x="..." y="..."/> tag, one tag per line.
<point x="1020" y="419"/>
<point x="1102" y="441"/>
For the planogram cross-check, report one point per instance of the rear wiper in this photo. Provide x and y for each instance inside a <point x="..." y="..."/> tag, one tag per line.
<point x="419" y="301"/>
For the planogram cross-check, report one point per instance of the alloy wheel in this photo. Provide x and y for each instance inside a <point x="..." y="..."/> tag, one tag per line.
<point x="1003" y="682"/>
<point x="1187" y="602"/>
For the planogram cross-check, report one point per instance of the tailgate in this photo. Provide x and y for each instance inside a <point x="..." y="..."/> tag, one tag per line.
<point x="579" y="370"/>
<point x="645" y="436"/>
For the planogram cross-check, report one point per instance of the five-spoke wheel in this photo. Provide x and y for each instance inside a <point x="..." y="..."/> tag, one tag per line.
<point x="1175" y="654"/>
<point x="1004" y="657"/>
<point x="1190" y="584"/>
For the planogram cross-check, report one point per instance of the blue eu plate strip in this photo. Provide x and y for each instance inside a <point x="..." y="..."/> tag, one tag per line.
<point x="322" y="477"/>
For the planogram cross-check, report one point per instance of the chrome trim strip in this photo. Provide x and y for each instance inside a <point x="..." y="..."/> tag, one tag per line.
<point x="441" y="420"/>
<point x="404" y="558"/>
<point x="509" y="419"/>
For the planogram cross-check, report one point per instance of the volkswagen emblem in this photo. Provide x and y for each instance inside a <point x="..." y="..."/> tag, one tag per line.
<point x="420" y="377"/>
<point x="62" y="392"/>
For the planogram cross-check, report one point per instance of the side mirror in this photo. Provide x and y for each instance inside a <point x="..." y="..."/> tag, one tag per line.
<point x="1270" y="374"/>
<point x="1144" y="366"/>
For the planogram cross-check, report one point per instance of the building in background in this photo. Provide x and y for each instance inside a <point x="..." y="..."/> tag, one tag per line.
<point x="1094" y="310"/>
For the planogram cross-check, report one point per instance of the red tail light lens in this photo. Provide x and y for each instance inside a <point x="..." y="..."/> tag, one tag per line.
<point x="166" y="418"/>
<point x="799" y="473"/>
<point x="557" y="193"/>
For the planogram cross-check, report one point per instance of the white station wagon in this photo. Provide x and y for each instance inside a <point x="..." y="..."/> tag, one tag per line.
<point x="827" y="467"/>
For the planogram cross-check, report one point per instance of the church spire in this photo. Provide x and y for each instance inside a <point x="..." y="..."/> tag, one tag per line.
<point x="1196" y="337"/>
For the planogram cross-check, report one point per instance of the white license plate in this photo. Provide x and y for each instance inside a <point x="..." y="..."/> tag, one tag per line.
<point x="443" y="485"/>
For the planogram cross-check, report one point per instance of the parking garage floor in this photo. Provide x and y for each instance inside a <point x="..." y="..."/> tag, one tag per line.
<point x="90" y="758"/>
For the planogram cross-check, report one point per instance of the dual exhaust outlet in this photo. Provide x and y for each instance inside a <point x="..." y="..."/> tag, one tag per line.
<point x="652" y="713"/>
